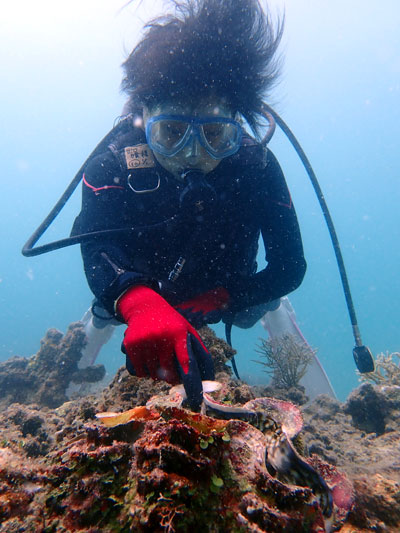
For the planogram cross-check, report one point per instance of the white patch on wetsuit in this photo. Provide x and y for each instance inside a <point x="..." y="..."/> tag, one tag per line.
<point x="139" y="156"/>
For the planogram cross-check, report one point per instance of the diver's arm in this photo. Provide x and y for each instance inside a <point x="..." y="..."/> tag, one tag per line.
<point x="283" y="245"/>
<point x="104" y="207"/>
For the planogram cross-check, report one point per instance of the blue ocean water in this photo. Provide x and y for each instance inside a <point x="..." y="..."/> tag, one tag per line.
<point x="340" y="94"/>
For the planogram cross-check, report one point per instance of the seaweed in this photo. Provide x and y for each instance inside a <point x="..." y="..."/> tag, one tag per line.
<point x="285" y="360"/>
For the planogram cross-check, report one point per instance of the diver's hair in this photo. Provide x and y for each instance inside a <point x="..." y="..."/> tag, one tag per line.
<point x="222" y="47"/>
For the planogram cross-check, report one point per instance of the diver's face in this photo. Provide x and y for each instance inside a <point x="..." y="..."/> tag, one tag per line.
<point x="193" y="155"/>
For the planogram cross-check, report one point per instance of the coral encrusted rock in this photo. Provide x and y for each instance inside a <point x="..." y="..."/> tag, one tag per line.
<point x="43" y="378"/>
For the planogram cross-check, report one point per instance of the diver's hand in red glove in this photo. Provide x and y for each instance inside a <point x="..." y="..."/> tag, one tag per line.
<point x="206" y="308"/>
<point x="160" y="343"/>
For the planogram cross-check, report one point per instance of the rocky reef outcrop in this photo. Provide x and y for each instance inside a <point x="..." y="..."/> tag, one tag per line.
<point x="43" y="378"/>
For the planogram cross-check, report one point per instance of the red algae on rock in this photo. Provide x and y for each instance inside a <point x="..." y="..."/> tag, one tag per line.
<point x="156" y="476"/>
<point x="194" y="487"/>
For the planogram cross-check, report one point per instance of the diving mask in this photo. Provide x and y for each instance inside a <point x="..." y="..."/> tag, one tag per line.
<point x="169" y="134"/>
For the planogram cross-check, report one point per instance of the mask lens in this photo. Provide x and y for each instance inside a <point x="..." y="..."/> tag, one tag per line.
<point x="221" y="137"/>
<point x="166" y="135"/>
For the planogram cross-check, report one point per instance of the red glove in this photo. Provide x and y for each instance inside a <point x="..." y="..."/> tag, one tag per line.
<point x="205" y="308"/>
<point x="157" y="333"/>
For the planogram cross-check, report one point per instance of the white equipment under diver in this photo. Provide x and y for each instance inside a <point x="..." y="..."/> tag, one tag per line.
<point x="282" y="321"/>
<point x="96" y="337"/>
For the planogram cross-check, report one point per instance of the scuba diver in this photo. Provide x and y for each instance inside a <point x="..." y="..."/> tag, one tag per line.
<point x="177" y="194"/>
<point x="200" y="188"/>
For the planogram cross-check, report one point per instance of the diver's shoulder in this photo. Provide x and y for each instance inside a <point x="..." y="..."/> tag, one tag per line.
<point x="132" y="135"/>
<point x="101" y="165"/>
<point x="257" y="158"/>
<point x="252" y="154"/>
<point x="112" y="157"/>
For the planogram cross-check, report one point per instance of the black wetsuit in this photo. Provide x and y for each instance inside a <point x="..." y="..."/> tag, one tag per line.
<point x="219" y="241"/>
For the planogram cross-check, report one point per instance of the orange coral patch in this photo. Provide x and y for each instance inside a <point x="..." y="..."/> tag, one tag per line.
<point x="140" y="414"/>
<point x="202" y="423"/>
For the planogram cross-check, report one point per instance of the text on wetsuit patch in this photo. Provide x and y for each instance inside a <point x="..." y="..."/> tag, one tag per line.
<point x="139" y="156"/>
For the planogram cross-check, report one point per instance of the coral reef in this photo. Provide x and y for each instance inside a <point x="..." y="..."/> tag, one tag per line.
<point x="330" y="432"/>
<point x="153" y="477"/>
<point x="62" y="471"/>
<point x="220" y="350"/>
<point x="286" y="360"/>
<point x="378" y="509"/>
<point x="43" y="378"/>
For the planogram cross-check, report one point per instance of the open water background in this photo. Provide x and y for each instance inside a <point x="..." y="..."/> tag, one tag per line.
<point x="340" y="94"/>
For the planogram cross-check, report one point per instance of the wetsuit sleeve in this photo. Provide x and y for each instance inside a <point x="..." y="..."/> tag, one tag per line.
<point x="280" y="231"/>
<point x="106" y="258"/>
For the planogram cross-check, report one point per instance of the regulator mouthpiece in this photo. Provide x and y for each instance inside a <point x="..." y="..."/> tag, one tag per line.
<point x="198" y="194"/>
